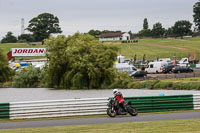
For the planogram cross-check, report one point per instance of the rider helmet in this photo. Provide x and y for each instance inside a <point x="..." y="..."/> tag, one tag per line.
<point x="115" y="91"/>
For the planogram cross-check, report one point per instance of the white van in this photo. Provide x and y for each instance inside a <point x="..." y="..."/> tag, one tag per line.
<point x="184" y="61"/>
<point x="155" y="67"/>
<point x="125" y="67"/>
<point x="168" y="60"/>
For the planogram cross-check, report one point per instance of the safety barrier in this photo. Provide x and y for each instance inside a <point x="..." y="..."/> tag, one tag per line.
<point x="4" y="111"/>
<point x="162" y="103"/>
<point x="94" y="106"/>
<point x="58" y="108"/>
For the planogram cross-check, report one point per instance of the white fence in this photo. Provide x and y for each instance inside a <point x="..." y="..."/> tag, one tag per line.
<point x="58" y="108"/>
<point x="196" y="101"/>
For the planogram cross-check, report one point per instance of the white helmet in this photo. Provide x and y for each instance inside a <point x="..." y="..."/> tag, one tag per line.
<point x="115" y="91"/>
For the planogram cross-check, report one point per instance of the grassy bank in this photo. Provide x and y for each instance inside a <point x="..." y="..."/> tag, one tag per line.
<point x="152" y="48"/>
<point x="172" y="126"/>
<point x="162" y="48"/>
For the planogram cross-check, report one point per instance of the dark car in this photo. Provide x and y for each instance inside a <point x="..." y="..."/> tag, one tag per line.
<point x="139" y="74"/>
<point x="180" y="69"/>
<point x="167" y="68"/>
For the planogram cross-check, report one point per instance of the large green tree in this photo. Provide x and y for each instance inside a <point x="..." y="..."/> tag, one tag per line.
<point x="9" y="38"/>
<point x="43" y="25"/>
<point x="182" y="28"/>
<point x="158" y="30"/>
<point x="79" y="61"/>
<point x="196" y="15"/>
<point x="145" y="24"/>
<point x="5" y="70"/>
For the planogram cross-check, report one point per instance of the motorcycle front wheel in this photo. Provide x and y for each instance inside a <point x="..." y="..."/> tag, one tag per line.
<point x="111" y="112"/>
<point x="132" y="111"/>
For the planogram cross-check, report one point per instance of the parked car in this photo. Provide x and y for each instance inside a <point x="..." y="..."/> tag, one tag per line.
<point x="139" y="74"/>
<point x="180" y="69"/>
<point x="167" y="68"/>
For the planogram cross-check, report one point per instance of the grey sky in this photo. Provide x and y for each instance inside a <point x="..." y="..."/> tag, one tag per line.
<point x="84" y="15"/>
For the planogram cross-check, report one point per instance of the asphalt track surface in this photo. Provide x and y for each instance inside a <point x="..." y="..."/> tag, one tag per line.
<point x="100" y="120"/>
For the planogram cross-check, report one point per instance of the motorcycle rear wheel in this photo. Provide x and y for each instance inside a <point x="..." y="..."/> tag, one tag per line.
<point x="132" y="111"/>
<point x="111" y="113"/>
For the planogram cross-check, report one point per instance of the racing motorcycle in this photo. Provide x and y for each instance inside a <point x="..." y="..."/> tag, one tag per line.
<point x="114" y="109"/>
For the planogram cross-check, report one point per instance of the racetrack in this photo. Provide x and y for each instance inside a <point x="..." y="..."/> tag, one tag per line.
<point x="100" y="120"/>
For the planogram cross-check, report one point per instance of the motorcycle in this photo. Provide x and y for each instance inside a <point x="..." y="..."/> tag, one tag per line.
<point x="114" y="109"/>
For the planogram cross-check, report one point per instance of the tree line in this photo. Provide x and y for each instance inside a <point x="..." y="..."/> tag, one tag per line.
<point x="45" y="24"/>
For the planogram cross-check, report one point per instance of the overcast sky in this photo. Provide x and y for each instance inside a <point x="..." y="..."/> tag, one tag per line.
<point x="84" y="15"/>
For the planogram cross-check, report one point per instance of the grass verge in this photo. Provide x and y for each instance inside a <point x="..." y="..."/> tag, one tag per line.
<point x="172" y="126"/>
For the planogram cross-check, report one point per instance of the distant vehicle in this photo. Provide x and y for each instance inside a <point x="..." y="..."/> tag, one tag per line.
<point x="184" y="61"/>
<point x="168" y="60"/>
<point x="181" y="69"/>
<point x="155" y="67"/>
<point x="40" y="66"/>
<point x="122" y="59"/>
<point x="137" y="74"/>
<point x="167" y="68"/>
<point x="125" y="67"/>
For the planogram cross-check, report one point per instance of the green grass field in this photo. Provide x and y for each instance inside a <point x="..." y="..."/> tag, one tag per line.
<point x="152" y="48"/>
<point x="162" y="48"/>
<point x="172" y="126"/>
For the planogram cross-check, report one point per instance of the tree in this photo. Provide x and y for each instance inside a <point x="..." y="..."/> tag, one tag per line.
<point x="27" y="77"/>
<point x="145" y="24"/>
<point x="43" y="25"/>
<point x="182" y="28"/>
<point x="196" y="15"/>
<point x="5" y="71"/>
<point x="169" y="32"/>
<point x="145" y="33"/>
<point x="79" y="61"/>
<point x="158" y="30"/>
<point x="95" y="33"/>
<point x="9" y="38"/>
<point x="26" y="37"/>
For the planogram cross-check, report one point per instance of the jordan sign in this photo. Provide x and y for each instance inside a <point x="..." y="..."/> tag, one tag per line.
<point x="16" y="52"/>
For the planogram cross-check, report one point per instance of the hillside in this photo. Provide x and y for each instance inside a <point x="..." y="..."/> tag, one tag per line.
<point x="152" y="48"/>
<point x="162" y="48"/>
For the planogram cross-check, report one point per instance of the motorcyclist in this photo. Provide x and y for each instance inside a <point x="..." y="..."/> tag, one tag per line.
<point x="118" y="98"/>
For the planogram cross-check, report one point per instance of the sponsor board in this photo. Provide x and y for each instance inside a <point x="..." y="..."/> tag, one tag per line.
<point x="20" y="52"/>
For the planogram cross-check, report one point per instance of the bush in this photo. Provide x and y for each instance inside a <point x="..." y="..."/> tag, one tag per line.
<point x="148" y="84"/>
<point x="163" y="85"/>
<point x="6" y="72"/>
<point x="122" y="80"/>
<point x="27" y="77"/>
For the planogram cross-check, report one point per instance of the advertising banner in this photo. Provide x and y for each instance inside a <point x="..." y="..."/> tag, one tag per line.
<point x="21" y="52"/>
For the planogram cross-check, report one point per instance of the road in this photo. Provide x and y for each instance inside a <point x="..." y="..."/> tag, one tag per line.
<point x="100" y="120"/>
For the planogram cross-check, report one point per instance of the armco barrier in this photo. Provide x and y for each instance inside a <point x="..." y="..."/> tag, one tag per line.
<point x="162" y="103"/>
<point x="94" y="106"/>
<point x="4" y="111"/>
<point x="58" y="108"/>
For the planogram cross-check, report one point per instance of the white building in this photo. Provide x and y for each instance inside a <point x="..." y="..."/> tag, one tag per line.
<point x="114" y="36"/>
